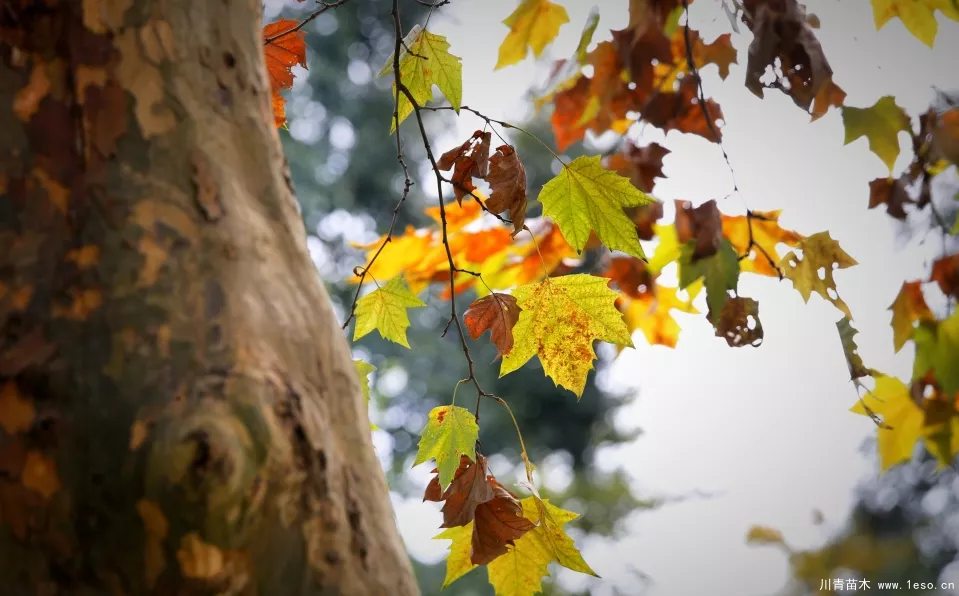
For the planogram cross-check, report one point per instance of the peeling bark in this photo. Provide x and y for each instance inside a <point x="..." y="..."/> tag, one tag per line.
<point x="179" y="413"/>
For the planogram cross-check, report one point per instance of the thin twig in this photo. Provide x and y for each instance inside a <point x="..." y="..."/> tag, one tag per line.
<point x="750" y="215"/>
<point x="325" y="7"/>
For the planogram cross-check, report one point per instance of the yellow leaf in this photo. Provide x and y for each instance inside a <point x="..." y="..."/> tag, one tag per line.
<point x="363" y="369"/>
<point x="668" y="249"/>
<point x="820" y="252"/>
<point x="384" y="309"/>
<point x="521" y="570"/>
<point x="450" y="432"/>
<point x="880" y="124"/>
<point x="902" y="419"/>
<point x="918" y="16"/>
<point x="587" y="197"/>
<point x="652" y="315"/>
<point x="458" y="561"/>
<point x="561" y="318"/>
<point x="532" y="25"/>
<point x="766" y="234"/>
<point x="764" y="535"/>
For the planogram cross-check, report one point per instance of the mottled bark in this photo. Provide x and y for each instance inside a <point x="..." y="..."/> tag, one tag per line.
<point x="179" y="413"/>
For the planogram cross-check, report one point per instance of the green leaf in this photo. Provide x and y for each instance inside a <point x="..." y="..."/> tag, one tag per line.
<point x="880" y="124"/>
<point x="363" y="370"/>
<point x="560" y="319"/>
<point x="384" y="309"/>
<point x="427" y="63"/>
<point x="451" y="431"/>
<point x="720" y="273"/>
<point x="586" y="197"/>
<point x="586" y="37"/>
<point x="937" y="349"/>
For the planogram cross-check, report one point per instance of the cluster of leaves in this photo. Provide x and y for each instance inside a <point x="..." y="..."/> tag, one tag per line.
<point x="540" y="295"/>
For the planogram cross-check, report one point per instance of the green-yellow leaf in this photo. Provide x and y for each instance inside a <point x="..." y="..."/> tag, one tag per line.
<point x="668" y="249"/>
<point x="384" y="309"/>
<point x="458" y="561"/>
<point x="521" y="570"/>
<point x="719" y="272"/>
<point x="820" y="251"/>
<point x="880" y="124"/>
<point x="533" y="25"/>
<point x="908" y="307"/>
<point x="586" y="197"/>
<point x="902" y="419"/>
<point x="937" y="351"/>
<point x="560" y="319"/>
<point x="427" y="63"/>
<point x="919" y="16"/>
<point x="451" y="431"/>
<point x="847" y="335"/>
<point x="363" y="370"/>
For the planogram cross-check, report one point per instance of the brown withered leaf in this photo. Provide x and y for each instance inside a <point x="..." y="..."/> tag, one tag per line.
<point x="645" y="216"/>
<point x="498" y="313"/>
<point x="469" y="489"/>
<point x="640" y="51"/>
<point x="468" y="160"/>
<point x="830" y="95"/>
<point x="945" y="272"/>
<point x="704" y="224"/>
<point x="734" y="324"/>
<point x="680" y="110"/>
<point x="497" y="524"/>
<point x="782" y="34"/>
<point x="640" y="164"/>
<point x="890" y="192"/>
<point x="507" y="181"/>
<point x="632" y="275"/>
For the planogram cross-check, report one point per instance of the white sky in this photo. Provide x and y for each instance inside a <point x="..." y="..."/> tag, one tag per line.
<point x="766" y="428"/>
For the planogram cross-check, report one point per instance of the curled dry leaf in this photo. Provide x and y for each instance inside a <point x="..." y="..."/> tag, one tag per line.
<point x="468" y="160"/>
<point x="847" y="334"/>
<point x="498" y="313"/>
<point x="467" y="491"/>
<point x="497" y="524"/>
<point x="507" y="180"/>
<point x="703" y="224"/>
<point x="783" y="36"/>
<point x="739" y="323"/>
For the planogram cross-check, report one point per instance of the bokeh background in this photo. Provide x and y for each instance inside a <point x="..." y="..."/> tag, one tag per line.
<point x="671" y="455"/>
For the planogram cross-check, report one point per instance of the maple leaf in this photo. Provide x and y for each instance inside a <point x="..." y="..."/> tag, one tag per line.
<point x="681" y="110"/>
<point x="561" y="318"/>
<point x="719" y="52"/>
<point x="908" y="307"/>
<point x="498" y="523"/>
<point x="720" y="273"/>
<point x="820" y="251"/>
<point x="847" y="334"/>
<point x="521" y="570"/>
<point x="640" y="164"/>
<point x="384" y="309"/>
<point x="507" y="180"/>
<point x="880" y="124"/>
<point x="700" y="225"/>
<point x="533" y="25"/>
<point x="632" y="275"/>
<point x="830" y="95"/>
<point x="450" y="432"/>
<point x="937" y="344"/>
<point x="586" y="197"/>
<point x="890" y="192"/>
<point x="918" y="16"/>
<point x="734" y="323"/>
<point x="284" y="48"/>
<point x="645" y="218"/>
<point x="468" y="160"/>
<point x="466" y="492"/>
<point x="668" y="249"/>
<point x="427" y="63"/>
<point x="766" y="234"/>
<point x="363" y="370"/>
<point x="458" y="561"/>
<point x="652" y="315"/>
<point x="902" y="419"/>
<point x="945" y="272"/>
<point x="784" y="40"/>
<point x="496" y="312"/>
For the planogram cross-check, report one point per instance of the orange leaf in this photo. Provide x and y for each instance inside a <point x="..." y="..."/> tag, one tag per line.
<point x="681" y="111"/>
<point x="498" y="313"/>
<point x="908" y="307"/>
<point x="766" y="234"/>
<point x="284" y="48"/>
<point x="468" y="160"/>
<point x="507" y="180"/>
<point x="640" y="164"/>
<point x="945" y="272"/>
<point x="631" y="275"/>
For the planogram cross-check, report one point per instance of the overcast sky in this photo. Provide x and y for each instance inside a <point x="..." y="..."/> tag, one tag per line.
<point x="768" y="428"/>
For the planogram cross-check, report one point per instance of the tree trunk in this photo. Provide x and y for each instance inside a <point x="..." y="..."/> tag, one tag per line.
<point x="179" y="413"/>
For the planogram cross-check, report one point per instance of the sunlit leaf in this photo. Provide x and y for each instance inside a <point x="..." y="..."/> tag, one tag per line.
<point x="821" y="255"/>
<point x="384" y="309"/>
<point x="451" y="431"/>
<point x="532" y="26"/>
<point x="880" y="124"/>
